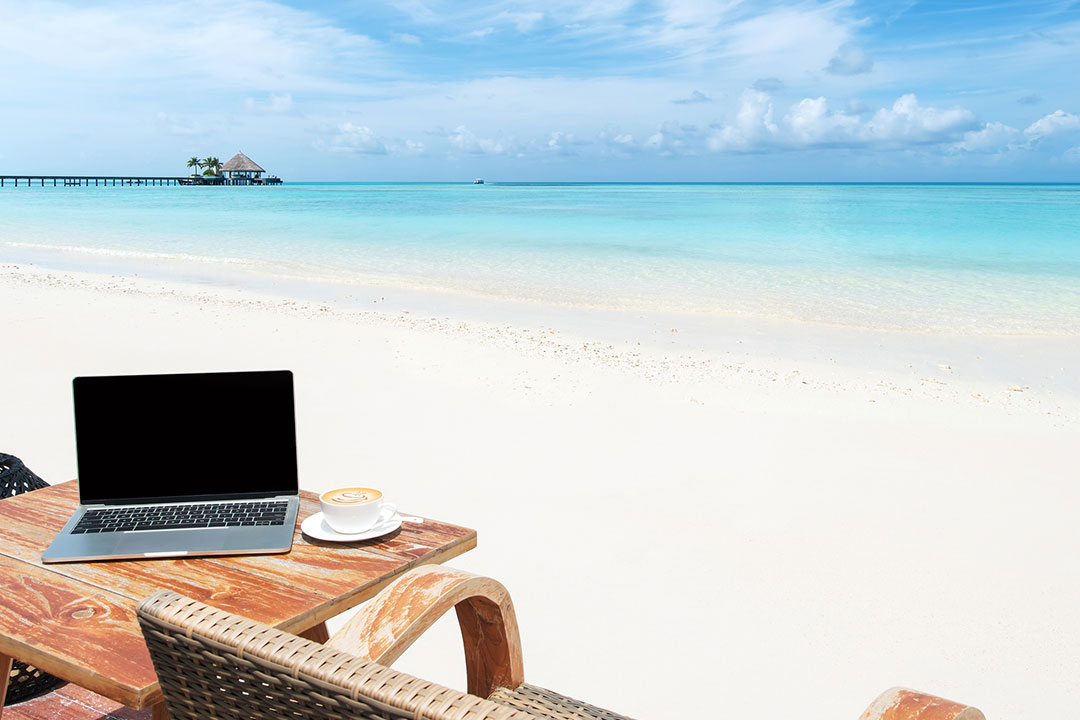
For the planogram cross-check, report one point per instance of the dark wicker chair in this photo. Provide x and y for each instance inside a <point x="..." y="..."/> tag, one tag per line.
<point x="26" y="681"/>
<point x="212" y="664"/>
<point x="16" y="478"/>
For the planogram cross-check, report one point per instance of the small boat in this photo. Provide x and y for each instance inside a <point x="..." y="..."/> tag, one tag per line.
<point x="478" y="181"/>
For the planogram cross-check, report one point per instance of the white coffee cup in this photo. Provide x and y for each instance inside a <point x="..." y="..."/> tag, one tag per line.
<point x="353" y="510"/>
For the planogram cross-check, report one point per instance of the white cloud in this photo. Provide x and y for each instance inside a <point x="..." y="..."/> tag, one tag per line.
<point x="738" y="39"/>
<point x="616" y="143"/>
<point x="850" y="59"/>
<point x="1056" y="122"/>
<point x="753" y="125"/>
<point x="688" y="26"/>
<point x="350" y="139"/>
<point x="464" y="140"/>
<point x="405" y="38"/>
<point x="909" y="121"/>
<point x="563" y="143"/>
<point x="523" y="21"/>
<point x="695" y="13"/>
<point x="356" y="140"/>
<point x="674" y="139"/>
<point x="254" y="44"/>
<point x="417" y="10"/>
<point x="785" y="40"/>
<point x="479" y="34"/>
<point x="811" y="123"/>
<point x="593" y="9"/>
<point x="993" y="137"/>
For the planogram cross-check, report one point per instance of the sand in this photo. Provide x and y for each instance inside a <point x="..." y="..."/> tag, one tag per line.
<point x="682" y="507"/>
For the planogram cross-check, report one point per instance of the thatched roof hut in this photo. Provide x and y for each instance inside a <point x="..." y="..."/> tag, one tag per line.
<point x="241" y="164"/>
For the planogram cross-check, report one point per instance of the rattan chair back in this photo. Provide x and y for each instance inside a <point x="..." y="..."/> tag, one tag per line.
<point x="16" y="478"/>
<point x="213" y="664"/>
<point x="25" y="681"/>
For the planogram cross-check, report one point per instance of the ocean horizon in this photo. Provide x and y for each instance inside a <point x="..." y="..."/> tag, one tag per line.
<point x="966" y="258"/>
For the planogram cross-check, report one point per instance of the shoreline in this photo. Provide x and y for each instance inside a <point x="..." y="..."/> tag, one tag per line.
<point x="862" y="258"/>
<point x="1018" y="374"/>
<point x="299" y="280"/>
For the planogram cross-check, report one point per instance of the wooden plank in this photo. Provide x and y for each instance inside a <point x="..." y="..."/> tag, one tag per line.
<point x="26" y="531"/>
<point x="215" y="583"/>
<point x="414" y="541"/>
<point x="63" y="627"/>
<point x="295" y="591"/>
<point x="320" y="633"/>
<point x="54" y="505"/>
<point x="57" y="500"/>
<point x="333" y="576"/>
<point x="5" y="678"/>
<point x="307" y="586"/>
<point x="350" y="573"/>
<point x="71" y="702"/>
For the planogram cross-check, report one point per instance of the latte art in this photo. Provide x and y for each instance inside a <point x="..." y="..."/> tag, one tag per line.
<point x="353" y="510"/>
<point x="352" y="496"/>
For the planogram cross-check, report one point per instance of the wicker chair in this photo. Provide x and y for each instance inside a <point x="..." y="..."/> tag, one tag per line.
<point x="26" y="681"/>
<point x="212" y="664"/>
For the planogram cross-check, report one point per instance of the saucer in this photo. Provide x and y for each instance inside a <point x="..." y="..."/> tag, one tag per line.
<point x="316" y="526"/>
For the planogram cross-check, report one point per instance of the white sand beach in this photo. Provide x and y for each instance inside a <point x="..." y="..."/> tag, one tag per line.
<point x="786" y="516"/>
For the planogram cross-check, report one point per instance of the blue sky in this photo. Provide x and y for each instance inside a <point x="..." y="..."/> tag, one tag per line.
<point x="608" y="90"/>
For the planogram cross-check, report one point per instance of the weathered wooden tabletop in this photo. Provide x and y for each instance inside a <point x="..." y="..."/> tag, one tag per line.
<point x="77" y="620"/>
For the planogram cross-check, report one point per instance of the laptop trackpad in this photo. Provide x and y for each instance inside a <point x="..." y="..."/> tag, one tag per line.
<point x="182" y="542"/>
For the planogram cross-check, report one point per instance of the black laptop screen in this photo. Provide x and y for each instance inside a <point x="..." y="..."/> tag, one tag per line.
<point x="190" y="436"/>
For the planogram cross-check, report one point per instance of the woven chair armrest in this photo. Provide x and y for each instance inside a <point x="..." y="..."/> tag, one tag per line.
<point x="182" y="632"/>
<point x="390" y="622"/>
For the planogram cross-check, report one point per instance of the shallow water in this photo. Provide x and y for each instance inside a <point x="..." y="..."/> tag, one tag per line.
<point x="958" y="258"/>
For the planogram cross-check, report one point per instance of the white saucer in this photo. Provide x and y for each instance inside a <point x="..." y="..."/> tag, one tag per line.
<point x="315" y="526"/>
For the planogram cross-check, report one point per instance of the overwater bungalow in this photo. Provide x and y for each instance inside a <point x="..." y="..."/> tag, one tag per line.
<point x="242" y="170"/>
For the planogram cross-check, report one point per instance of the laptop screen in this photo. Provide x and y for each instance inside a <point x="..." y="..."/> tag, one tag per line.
<point x="196" y="436"/>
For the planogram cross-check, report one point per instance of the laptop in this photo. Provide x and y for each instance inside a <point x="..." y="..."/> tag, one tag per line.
<point x="182" y="465"/>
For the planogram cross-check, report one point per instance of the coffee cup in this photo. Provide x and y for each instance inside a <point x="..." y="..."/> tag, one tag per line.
<point x="353" y="510"/>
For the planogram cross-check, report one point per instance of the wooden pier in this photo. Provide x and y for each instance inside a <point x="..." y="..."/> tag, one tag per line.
<point x="86" y="180"/>
<point x="113" y="181"/>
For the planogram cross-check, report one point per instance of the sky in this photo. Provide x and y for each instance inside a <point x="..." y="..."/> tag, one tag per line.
<point x="565" y="90"/>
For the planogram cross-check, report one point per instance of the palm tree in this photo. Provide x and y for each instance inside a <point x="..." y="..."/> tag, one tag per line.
<point x="194" y="162"/>
<point x="212" y="165"/>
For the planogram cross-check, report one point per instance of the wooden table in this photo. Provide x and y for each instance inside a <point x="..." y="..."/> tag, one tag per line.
<point x="77" y="620"/>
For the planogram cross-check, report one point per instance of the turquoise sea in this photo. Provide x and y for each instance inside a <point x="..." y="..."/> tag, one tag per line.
<point x="981" y="259"/>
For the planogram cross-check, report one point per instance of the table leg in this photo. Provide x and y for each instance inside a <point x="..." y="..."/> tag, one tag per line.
<point x="5" y="667"/>
<point x="158" y="712"/>
<point x="318" y="634"/>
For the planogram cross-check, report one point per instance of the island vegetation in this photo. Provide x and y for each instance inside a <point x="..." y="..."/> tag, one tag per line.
<point x="211" y="166"/>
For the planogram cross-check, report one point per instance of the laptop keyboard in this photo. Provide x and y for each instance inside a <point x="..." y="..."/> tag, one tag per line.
<point x="175" y="517"/>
